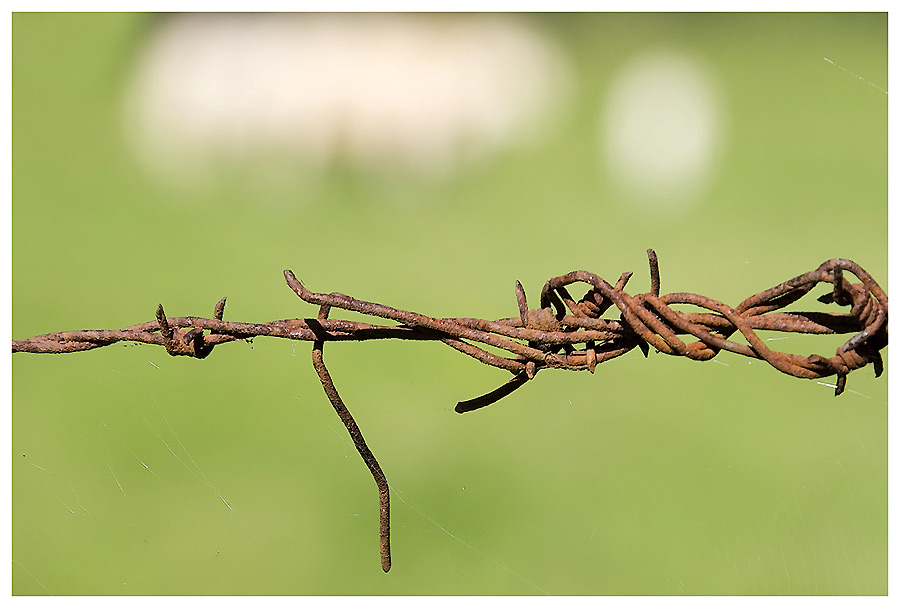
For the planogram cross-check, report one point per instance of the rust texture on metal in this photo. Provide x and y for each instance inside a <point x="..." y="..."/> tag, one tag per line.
<point x="562" y="333"/>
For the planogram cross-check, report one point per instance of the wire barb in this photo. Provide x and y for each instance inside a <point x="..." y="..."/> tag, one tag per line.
<point x="561" y="333"/>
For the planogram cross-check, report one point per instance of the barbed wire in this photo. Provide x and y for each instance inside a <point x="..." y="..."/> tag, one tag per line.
<point x="561" y="333"/>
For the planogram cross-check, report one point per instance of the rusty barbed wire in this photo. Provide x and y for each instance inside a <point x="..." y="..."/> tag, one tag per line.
<point x="561" y="333"/>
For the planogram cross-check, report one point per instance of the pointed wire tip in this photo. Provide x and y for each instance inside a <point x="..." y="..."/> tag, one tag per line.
<point x="219" y="310"/>
<point x="840" y="385"/>
<point x="522" y="303"/>
<point x="645" y="348"/>
<point x="161" y="318"/>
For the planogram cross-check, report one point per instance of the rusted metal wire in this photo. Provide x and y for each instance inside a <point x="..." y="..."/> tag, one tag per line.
<point x="561" y="333"/>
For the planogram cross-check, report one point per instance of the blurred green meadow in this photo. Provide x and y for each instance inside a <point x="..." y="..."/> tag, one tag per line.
<point x="139" y="473"/>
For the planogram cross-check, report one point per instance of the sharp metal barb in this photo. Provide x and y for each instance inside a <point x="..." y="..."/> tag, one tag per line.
<point x="654" y="272"/>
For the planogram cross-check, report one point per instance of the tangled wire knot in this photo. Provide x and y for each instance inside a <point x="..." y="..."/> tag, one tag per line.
<point x="562" y="333"/>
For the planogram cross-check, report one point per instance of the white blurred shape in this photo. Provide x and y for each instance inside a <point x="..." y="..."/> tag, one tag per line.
<point x="662" y="130"/>
<point x="427" y="94"/>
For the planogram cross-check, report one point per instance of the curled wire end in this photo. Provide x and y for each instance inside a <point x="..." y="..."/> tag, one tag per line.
<point x="623" y="280"/>
<point x="295" y="284"/>
<point x="492" y="397"/>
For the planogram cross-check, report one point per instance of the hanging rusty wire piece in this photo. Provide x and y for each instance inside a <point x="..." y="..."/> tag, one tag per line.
<point x="561" y="333"/>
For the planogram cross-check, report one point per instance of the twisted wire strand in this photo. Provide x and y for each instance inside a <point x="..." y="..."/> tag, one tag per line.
<point x="562" y="333"/>
<point x="546" y="337"/>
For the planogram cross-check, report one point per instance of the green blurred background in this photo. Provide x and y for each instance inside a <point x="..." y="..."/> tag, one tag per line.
<point x="652" y="476"/>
